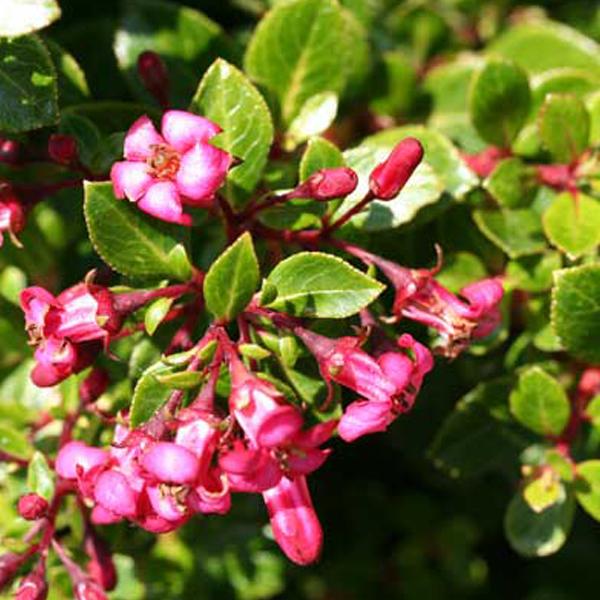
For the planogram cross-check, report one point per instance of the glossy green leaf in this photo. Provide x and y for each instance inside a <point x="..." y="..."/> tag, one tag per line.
<point x="518" y="232"/>
<point x="587" y="487"/>
<point x="184" y="380"/>
<point x="313" y="284"/>
<point x="232" y="279"/>
<point x="149" y="394"/>
<point x="297" y="51"/>
<point x="72" y="84"/>
<point x="319" y="154"/>
<point x="562" y="80"/>
<point x="576" y="311"/>
<point x="539" y="534"/>
<point x="24" y="16"/>
<point x="14" y="442"/>
<point x="155" y="314"/>
<point x="512" y="183"/>
<point x="40" y="477"/>
<point x="499" y="101"/>
<point x="184" y="38"/>
<point x="315" y="116"/>
<point x="130" y="241"/>
<point x="573" y="224"/>
<point x="227" y="97"/>
<point x="564" y="125"/>
<point x="539" y="403"/>
<point x="28" y="85"/>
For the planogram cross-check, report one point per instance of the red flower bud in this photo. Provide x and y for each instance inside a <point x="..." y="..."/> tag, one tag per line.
<point x="390" y="176"/>
<point x="327" y="184"/>
<point x="9" y="151"/>
<point x="34" y="586"/>
<point x="32" y="507"/>
<point x="10" y="563"/>
<point x="62" y="148"/>
<point x="154" y="76"/>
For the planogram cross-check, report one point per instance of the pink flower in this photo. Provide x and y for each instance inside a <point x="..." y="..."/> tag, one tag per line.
<point x="113" y="492"/>
<point x="12" y="215"/>
<point x="170" y="463"/>
<point x="250" y="469"/>
<point x="294" y="521"/>
<point x="77" y="455"/>
<point x="163" y="172"/>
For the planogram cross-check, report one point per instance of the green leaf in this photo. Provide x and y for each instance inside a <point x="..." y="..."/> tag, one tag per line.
<point x="564" y="125"/>
<point x="479" y="434"/>
<point x="518" y="232"/>
<point x="573" y="224"/>
<point x="131" y="242"/>
<point x="298" y="50"/>
<point x="541" y="45"/>
<point x="313" y="284"/>
<point x="319" y="154"/>
<point x="227" y="97"/>
<point x="315" y="116"/>
<point x="533" y="273"/>
<point x="28" y="85"/>
<point x="539" y="534"/>
<point x="72" y="84"/>
<point x="542" y="492"/>
<point x="592" y="411"/>
<point x="587" y="487"/>
<point x="561" y="80"/>
<point x="14" y="442"/>
<point x="149" y="394"/>
<point x="40" y="477"/>
<point x="394" y="85"/>
<point x="459" y="270"/>
<point x="539" y="403"/>
<point x="512" y="183"/>
<point x="232" y="279"/>
<point x="499" y="101"/>
<point x="576" y="311"/>
<point x="253" y="351"/>
<point x="184" y="380"/>
<point x="24" y="16"/>
<point x="155" y="314"/>
<point x="184" y="38"/>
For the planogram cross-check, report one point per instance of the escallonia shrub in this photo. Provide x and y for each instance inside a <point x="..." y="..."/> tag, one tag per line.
<point x="209" y="293"/>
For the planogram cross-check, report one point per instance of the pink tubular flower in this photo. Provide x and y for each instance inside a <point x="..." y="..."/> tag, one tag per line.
<point x="170" y="463"/>
<point x="389" y="177"/>
<point x="294" y="521"/>
<point x="161" y="173"/>
<point x="77" y="455"/>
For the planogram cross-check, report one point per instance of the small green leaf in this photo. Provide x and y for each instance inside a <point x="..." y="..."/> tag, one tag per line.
<point x="315" y="116"/>
<point x="592" y="411"/>
<point x="228" y="98"/>
<point x="573" y="224"/>
<point x="25" y="16"/>
<point x="299" y="50"/>
<point x="542" y="492"/>
<point x="499" y="101"/>
<point x="253" y="351"/>
<point x="587" y="487"/>
<point x="155" y="314"/>
<point x="518" y="232"/>
<point x="512" y="183"/>
<point x="564" y="125"/>
<point x="576" y="311"/>
<point x="72" y="84"/>
<point x="40" y="477"/>
<point x="319" y="154"/>
<point x="313" y="284"/>
<point x="149" y="394"/>
<point x="14" y="442"/>
<point x="459" y="270"/>
<point x="184" y="380"/>
<point x="543" y="533"/>
<point x="131" y="242"/>
<point x="28" y="85"/>
<point x="533" y="273"/>
<point x="539" y="403"/>
<point x="232" y="279"/>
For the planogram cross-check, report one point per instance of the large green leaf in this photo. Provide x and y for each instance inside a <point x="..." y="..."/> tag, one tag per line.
<point x="512" y="183"/>
<point x="313" y="284"/>
<point x="131" y="242"/>
<point x="24" y="16"/>
<point x="573" y="224"/>
<point x="587" y="487"/>
<point x="499" y="101"/>
<point x="299" y="50"/>
<point x="576" y="311"/>
<point x="315" y="116"/>
<point x="540" y="403"/>
<point x="28" y="85"/>
<point x="232" y="279"/>
<point x="227" y="97"/>
<point x="184" y="38"/>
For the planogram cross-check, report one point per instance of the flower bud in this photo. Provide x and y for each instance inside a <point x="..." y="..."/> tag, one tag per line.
<point x="171" y="463"/>
<point x="34" y="586"/>
<point x="390" y="176"/>
<point x="93" y="386"/>
<point x="32" y="507"/>
<point x="327" y="184"/>
<point x="9" y="151"/>
<point x="62" y="148"/>
<point x="10" y="563"/>
<point x="154" y="76"/>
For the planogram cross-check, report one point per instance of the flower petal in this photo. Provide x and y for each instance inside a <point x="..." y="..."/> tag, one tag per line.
<point x="182" y="130"/>
<point x="130" y="179"/>
<point x="162" y="201"/>
<point x="363" y="417"/>
<point x="202" y="172"/>
<point x="142" y="135"/>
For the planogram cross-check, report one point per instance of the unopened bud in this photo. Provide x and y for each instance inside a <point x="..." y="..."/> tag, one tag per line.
<point x="154" y="76"/>
<point x="34" y="586"/>
<point x="390" y="176"/>
<point x="62" y="148"/>
<point x="10" y="563"/>
<point x="9" y="151"/>
<point x="93" y="386"/>
<point x="327" y="184"/>
<point x="32" y="507"/>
